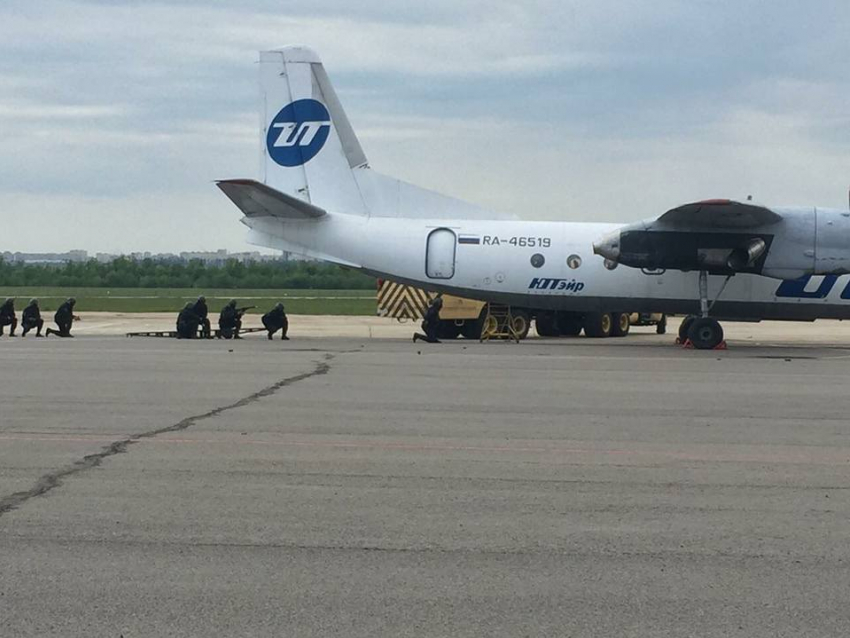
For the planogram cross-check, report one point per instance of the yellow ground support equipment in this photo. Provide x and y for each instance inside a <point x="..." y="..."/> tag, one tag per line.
<point x="499" y="323"/>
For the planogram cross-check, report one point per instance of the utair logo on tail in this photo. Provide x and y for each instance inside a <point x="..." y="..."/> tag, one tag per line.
<point x="298" y="132"/>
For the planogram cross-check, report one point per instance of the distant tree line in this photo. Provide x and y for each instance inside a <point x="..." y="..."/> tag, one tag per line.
<point x="150" y="273"/>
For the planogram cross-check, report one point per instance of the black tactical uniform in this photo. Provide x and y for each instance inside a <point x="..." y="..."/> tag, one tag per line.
<point x="274" y="320"/>
<point x="188" y="322"/>
<point x="200" y="309"/>
<point x="31" y="318"/>
<point x="230" y="321"/>
<point x="64" y="318"/>
<point x="430" y="322"/>
<point x="7" y="317"/>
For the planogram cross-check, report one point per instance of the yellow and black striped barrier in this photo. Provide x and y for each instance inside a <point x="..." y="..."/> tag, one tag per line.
<point x="401" y="302"/>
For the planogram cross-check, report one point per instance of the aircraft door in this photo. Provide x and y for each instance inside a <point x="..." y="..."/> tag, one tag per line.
<point x="440" y="254"/>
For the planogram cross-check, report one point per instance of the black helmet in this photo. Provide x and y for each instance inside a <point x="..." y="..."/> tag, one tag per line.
<point x="202" y="298"/>
<point x="279" y="306"/>
<point x="34" y="302"/>
<point x="232" y="303"/>
<point x="72" y="301"/>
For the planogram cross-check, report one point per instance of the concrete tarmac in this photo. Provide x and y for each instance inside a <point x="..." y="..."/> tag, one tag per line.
<point x="373" y="487"/>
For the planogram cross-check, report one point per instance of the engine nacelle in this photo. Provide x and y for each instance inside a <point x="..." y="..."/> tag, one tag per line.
<point x="814" y="241"/>
<point x="800" y="242"/>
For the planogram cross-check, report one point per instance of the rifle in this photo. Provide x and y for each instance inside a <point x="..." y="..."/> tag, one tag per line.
<point x="244" y="309"/>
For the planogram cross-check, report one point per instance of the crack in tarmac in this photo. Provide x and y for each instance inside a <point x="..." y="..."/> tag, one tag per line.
<point x="53" y="480"/>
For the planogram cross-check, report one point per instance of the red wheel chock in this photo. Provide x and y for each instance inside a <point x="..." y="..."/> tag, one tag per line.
<point x="689" y="345"/>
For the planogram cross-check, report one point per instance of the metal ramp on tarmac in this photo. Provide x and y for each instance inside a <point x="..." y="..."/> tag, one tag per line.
<point x="172" y="334"/>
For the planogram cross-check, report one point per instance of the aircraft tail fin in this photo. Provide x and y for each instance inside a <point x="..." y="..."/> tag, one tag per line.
<point x="308" y="147"/>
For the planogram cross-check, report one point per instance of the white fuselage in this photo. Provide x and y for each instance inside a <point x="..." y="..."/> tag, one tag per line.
<point x="492" y="261"/>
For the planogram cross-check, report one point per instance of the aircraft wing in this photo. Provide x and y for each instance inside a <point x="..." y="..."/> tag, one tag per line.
<point x="719" y="214"/>
<point x="258" y="200"/>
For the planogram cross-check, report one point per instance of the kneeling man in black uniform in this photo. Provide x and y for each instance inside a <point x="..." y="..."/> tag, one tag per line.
<point x="188" y="322"/>
<point x="64" y="318"/>
<point x="7" y="317"/>
<point x="430" y="322"/>
<point x="201" y="310"/>
<point x="230" y="321"/>
<point x="274" y="320"/>
<point x="31" y="318"/>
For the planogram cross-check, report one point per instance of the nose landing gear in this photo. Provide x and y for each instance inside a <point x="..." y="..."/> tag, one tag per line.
<point x="706" y="334"/>
<point x="703" y="332"/>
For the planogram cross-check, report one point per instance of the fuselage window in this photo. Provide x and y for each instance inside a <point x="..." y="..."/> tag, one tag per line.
<point x="537" y="260"/>
<point x="574" y="261"/>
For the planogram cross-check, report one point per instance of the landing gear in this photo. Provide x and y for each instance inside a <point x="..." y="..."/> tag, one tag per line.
<point x="598" y="324"/>
<point x="703" y="332"/>
<point x="521" y="323"/>
<point x="706" y="333"/>
<point x="568" y="324"/>
<point x="621" y="324"/>
<point x="448" y="329"/>
<point x="545" y="322"/>
<point x="685" y="327"/>
<point x="471" y="328"/>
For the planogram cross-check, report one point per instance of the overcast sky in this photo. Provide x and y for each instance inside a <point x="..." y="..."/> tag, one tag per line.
<point x="116" y="117"/>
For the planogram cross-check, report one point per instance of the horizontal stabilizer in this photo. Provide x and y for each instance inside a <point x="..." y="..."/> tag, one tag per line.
<point x="719" y="213"/>
<point x="258" y="200"/>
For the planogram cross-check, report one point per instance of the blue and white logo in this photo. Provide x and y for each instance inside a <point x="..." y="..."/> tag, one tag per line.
<point x="298" y="132"/>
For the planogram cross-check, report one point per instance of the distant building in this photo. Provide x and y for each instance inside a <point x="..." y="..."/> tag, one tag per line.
<point x="78" y="256"/>
<point x="221" y="256"/>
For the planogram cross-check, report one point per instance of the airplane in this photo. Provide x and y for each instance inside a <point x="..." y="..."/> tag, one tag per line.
<point x="717" y="259"/>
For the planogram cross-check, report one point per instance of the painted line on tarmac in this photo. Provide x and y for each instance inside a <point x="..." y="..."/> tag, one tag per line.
<point x="54" y="479"/>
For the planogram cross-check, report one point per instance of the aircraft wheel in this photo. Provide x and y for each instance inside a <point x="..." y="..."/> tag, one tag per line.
<point x="568" y="325"/>
<point x="685" y="326"/>
<point x="448" y="329"/>
<point x="598" y="324"/>
<point x="521" y="323"/>
<point x="546" y="327"/>
<point x="621" y="324"/>
<point x="471" y="329"/>
<point x="705" y="333"/>
<point x="490" y="326"/>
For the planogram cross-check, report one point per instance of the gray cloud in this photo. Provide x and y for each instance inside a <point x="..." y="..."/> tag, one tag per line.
<point x="117" y="116"/>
